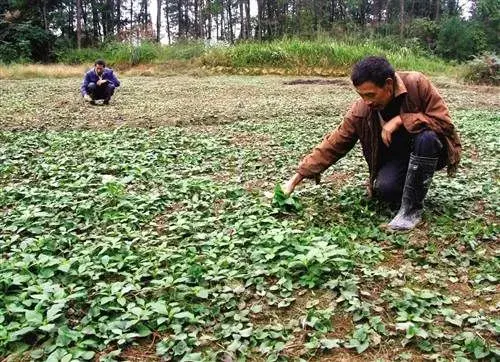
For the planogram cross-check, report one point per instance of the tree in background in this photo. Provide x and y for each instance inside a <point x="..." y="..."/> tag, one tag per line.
<point x="29" y="28"/>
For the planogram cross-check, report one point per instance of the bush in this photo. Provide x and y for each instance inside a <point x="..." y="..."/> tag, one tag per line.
<point x="117" y="54"/>
<point x="460" y="40"/>
<point x="484" y="69"/>
<point x="24" y="42"/>
<point x="425" y="30"/>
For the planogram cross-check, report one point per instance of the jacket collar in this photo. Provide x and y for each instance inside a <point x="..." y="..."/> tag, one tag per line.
<point x="100" y="76"/>
<point x="399" y="87"/>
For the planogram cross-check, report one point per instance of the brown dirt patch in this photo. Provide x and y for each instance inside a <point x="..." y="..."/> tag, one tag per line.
<point x="152" y="102"/>
<point x="258" y="185"/>
<point x="338" y="178"/>
<point x="394" y="260"/>
<point x="304" y="299"/>
<point x="218" y="206"/>
<point x="386" y="351"/>
<point x="250" y="140"/>
<point x="143" y="351"/>
<point x="222" y="177"/>
<point x="469" y="300"/>
<point x="203" y="129"/>
<point x="342" y="325"/>
<point x="160" y="221"/>
<point x="184" y="100"/>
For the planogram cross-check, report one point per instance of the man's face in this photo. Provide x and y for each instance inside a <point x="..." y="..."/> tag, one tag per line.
<point x="374" y="96"/>
<point x="99" y="68"/>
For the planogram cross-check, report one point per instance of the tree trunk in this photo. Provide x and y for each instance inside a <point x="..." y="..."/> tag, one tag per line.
<point x="111" y="17"/>
<point x="222" y="22"/>
<point x="247" y="27"/>
<point x="217" y="27"/>
<point x="186" y="20"/>
<point x="179" y="19"/>
<point x="270" y="33"/>
<point x="167" y="16"/>
<point x="85" y="22"/>
<point x="242" y="20"/>
<point x="230" y="21"/>
<point x="79" y="24"/>
<point x="118" y="19"/>
<point x="44" y="15"/>
<point x="401" y="17"/>
<point x="259" y="19"/>
<point x="201" y="25"/>
<point x="71" y="18"/>
<point x="131" y="14"/>
<point x="196" y="19"/>
<point x="283" y="18"/>
<point x="436" y="14"/>
<point x="209" y="30"/>
<point x="158" y="20"/>
<point x="95" y="22"/>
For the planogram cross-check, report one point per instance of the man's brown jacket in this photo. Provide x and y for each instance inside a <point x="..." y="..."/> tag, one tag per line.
<point x="422" y="107"/>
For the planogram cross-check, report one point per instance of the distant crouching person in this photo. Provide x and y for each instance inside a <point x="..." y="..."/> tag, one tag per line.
<point x="99" y="83"/>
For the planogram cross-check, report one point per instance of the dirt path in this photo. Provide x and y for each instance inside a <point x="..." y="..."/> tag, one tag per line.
<point x="183" y="100"/>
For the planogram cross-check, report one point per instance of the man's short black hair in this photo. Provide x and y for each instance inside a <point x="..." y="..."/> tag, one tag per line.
<point x="100" y="62"/>
<point x="372" y="69"/>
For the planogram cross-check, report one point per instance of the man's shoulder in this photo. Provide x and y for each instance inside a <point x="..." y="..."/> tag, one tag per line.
<point x="108" y="70"/>
<point x="411" y="77"/>
<point x="359" y="109"/>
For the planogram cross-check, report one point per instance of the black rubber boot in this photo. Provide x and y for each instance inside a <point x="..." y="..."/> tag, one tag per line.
<point x="418" y="179"/>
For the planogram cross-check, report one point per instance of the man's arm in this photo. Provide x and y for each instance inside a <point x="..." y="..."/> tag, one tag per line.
<point x="114" y="79"/>
<point x="333" y="147"/>
<point x="435" y="114"/>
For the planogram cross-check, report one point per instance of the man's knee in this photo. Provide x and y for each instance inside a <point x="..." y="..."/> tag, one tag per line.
<point x="427" y="144"/>
<point x="388" y="189"/>
<point x="110" y="89"/>
<point x="91" y="87"/>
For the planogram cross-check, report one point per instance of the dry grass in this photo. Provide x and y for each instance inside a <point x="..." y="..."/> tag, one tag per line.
<point x="28" y="71"/>
<point x="175" y="67"/>
<point x="170" y="68"/>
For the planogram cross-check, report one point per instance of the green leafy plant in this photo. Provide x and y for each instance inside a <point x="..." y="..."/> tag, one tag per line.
<point x="285" y="202"/>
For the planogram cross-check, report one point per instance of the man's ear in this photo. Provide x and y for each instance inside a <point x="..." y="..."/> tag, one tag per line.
<point x="389" y="83"/>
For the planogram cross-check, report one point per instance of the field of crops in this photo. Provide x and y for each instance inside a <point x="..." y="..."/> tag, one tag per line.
<point x="144" y="230"/>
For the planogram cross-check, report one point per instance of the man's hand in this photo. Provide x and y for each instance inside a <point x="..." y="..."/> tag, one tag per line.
<point x="101" y="82"/>
<point x="290" y="185"/>
<point x="389" y="128"/>
<point x="87" y="98"/>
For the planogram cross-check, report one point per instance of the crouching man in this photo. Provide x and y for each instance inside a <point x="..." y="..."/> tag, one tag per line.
<point x="99" y="83"/>
<point x="405" y="132"/>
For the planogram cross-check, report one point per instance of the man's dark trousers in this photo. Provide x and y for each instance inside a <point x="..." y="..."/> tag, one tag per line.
<point x="104" y="91"/>
<point x="391" y="177"/>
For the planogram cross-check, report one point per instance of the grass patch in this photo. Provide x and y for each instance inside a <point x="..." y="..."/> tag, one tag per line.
<point x="121" y="54"/>
<point x="327" y="57"/>
<point x="339" y="55"/>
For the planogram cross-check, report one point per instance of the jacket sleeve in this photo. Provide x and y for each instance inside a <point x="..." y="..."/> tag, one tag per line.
<point x="114" y="79"/>
<point x="334" y="146"/>
<point x="85" y="83"/>
<point x="434" y="115"/>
